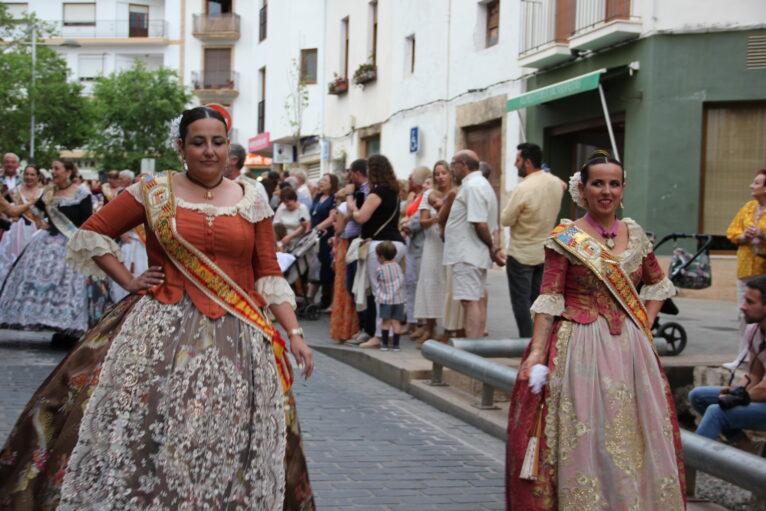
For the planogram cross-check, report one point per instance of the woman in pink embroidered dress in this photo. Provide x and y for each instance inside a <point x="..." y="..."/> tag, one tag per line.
<point x="605" y="425"/>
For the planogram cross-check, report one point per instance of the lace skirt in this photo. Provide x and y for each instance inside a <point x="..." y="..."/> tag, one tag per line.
<point x="13" y="242"/>
<point x="42" y="293"/>
<point x="159" y="407"/>
<point x="610" y="438"/>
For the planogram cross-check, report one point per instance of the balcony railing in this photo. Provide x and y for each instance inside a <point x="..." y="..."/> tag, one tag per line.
<point x="220" y="25"/>
<point x="538" y="23"/>
<point x="215" y="80"/>
<point x="112" y="29"/>
<point x="590" y="13"/>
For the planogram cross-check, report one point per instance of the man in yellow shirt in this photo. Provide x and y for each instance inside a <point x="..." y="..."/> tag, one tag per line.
<point x="531" y="213"/>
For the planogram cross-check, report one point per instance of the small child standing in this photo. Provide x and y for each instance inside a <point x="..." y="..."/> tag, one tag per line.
<point x="390" y="293"/>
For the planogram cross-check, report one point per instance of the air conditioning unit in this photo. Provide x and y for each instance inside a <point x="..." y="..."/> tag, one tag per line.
<point x="283" y="153"/>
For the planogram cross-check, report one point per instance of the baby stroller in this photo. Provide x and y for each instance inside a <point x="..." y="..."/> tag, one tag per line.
<point x="305" y="265"/>
<point x="673" y="332"/>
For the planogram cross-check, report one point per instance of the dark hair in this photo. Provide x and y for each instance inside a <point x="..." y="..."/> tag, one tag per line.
<point x="598" y="157"/>
<point x="758" y="283"/>
<point x="69" y="166"/>
<point x="195" y="114"/>
<point x="531" y="152"/>
<point x="287" y="193"/>
<point x="237" y="151"/>
<point x="280" y="231"/>
<point x="360" y="166"/>
<point x="381" y="173"/>
<point x="334" y="183"/>
<point x="36" y="167"/>
<point x="486" y="170"/>
<point x="274" y="176"/>
<point x="386" y="250"/>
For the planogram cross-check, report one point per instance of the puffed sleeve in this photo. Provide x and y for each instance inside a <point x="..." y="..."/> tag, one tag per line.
<point x="551" y="298"/>
<point x="737" y="225"/>
<point x="269" y="281"/>
<point x="656" y="285"/>
<point x="96" y="236"/>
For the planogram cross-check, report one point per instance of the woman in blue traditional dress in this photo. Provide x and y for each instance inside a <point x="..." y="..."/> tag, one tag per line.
<point x="41" y="292"/>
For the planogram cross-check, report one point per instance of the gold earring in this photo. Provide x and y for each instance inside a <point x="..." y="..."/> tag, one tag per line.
<point x="622" y="206"/>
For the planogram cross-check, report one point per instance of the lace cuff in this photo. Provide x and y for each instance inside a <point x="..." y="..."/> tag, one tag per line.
<point x="549" y="304"/>
<point x="660" y="291"/>
<point x="275" y="289"/>
<point x="86" y="244"/>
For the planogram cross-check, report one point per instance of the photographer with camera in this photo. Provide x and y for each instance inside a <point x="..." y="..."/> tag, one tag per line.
<point x="729" y="410"/>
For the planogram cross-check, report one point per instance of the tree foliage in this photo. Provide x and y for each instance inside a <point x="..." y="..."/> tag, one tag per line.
<point x="63" y="118"/>
<point x="134" y="109"/>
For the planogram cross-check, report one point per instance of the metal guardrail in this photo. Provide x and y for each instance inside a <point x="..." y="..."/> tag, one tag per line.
<point x="733" y="465"/>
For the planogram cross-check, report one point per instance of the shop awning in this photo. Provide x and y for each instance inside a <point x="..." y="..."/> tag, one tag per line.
<point x="558" y="90"/>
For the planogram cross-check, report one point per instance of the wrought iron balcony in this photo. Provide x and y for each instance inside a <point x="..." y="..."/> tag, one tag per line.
<point x="216" y="27"/>
<point x="215" y="84"/>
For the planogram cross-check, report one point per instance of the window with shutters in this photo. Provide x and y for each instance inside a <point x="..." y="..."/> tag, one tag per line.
<point x="89" y="67"/>
<point x="493" y="22"/>
<point x="138" y="18"/>
<point x="734" y="150"/>
<point x="17" y="10"/>
<point x="79" y="14"/>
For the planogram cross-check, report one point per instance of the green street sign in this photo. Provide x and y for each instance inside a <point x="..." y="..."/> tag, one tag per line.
<point x="559" y="90"/>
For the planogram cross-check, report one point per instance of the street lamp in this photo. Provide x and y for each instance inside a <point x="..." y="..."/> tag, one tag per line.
<point x="68" y="43"/>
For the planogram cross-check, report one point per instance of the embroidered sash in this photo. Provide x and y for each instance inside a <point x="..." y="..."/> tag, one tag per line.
<point x="160" y="206"/>
<point x="107" y="192"/>
<point x="19" y="199"/>
<point x="59" y="219"/>
<point x="141" y="232"/>
<point x="607" y="269"/>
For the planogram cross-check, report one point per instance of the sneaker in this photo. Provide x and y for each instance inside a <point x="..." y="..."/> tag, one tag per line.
<point x="384" y="347"/>
<point x="396" y="348"/>
<point x="359" y="338"/>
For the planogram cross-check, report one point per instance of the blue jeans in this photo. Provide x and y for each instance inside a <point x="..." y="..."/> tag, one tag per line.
<point x="730" y="422"/>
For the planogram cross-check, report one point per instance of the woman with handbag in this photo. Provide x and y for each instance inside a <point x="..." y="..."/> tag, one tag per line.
<point x="379" y="217"/>
<point x="592" y="422"/>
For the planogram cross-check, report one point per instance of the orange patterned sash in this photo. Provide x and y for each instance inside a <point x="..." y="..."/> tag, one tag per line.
<point x="607" y="268"/>
<point x="160" y="206"/>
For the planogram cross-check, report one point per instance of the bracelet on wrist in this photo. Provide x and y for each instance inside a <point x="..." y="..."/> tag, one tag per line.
<point x="295" y="331"/>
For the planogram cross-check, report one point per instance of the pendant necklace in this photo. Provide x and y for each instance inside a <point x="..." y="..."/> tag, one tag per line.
<point x="607" y="235"/>
<point x="209" y="192"/>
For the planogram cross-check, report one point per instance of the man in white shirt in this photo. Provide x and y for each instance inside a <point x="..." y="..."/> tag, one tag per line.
<point x="10" y="169"/>
<point x="234" y="170"/>
<point x="468" y="241"/>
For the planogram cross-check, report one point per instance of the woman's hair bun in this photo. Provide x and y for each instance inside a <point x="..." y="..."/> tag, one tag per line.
<point x="599" y="153"/>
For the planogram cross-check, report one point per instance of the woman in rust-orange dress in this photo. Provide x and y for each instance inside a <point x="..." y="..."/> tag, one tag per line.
<point x="176" y="399"/>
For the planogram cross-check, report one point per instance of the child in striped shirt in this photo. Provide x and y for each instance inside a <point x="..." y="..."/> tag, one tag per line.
<point x="390" y="293"/>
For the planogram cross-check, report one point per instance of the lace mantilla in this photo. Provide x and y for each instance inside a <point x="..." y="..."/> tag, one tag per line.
<point x="549" y="304"/>
<point x="662" y="290"/>
<point x="252" y="206"/>
<point x="84" y="245"/>
<point x="275" y="290"/>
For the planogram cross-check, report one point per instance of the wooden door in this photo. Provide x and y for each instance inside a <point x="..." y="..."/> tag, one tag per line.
<point x="487" y="141"/>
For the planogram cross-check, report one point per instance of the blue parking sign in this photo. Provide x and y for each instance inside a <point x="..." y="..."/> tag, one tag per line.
<point x="414" y="139"/>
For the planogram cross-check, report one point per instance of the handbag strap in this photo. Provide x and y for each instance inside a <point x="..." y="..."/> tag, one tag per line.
<point x="396" y="210"/>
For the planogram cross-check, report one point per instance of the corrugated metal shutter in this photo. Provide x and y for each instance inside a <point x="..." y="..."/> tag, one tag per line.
<point x="756" y="52"/>
<point x="313" y="170"/>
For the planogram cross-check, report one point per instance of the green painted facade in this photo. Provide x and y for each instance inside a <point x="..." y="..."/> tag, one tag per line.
<point x="663" y="108"/>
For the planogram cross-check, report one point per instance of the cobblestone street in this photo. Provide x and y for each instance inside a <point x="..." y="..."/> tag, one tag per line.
<point x="369" y="445"/>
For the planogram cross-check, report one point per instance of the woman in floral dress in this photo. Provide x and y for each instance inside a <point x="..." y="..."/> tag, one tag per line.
<point x="602" y="433"/>
<point x="180" y="397"/>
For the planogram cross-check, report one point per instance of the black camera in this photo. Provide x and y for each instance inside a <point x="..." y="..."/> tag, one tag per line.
<point x="737" y="396"/>
<point x="5" y="224"/>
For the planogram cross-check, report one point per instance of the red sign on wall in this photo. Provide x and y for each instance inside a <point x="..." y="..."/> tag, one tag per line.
<point x="259" y="142"/>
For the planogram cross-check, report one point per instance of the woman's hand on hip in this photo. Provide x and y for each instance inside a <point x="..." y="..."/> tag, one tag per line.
<point x="154" y="276"/>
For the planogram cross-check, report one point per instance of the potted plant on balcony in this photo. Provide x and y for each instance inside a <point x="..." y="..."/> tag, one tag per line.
<point x="338" y="85"/>
<point x="366" y="73"/>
